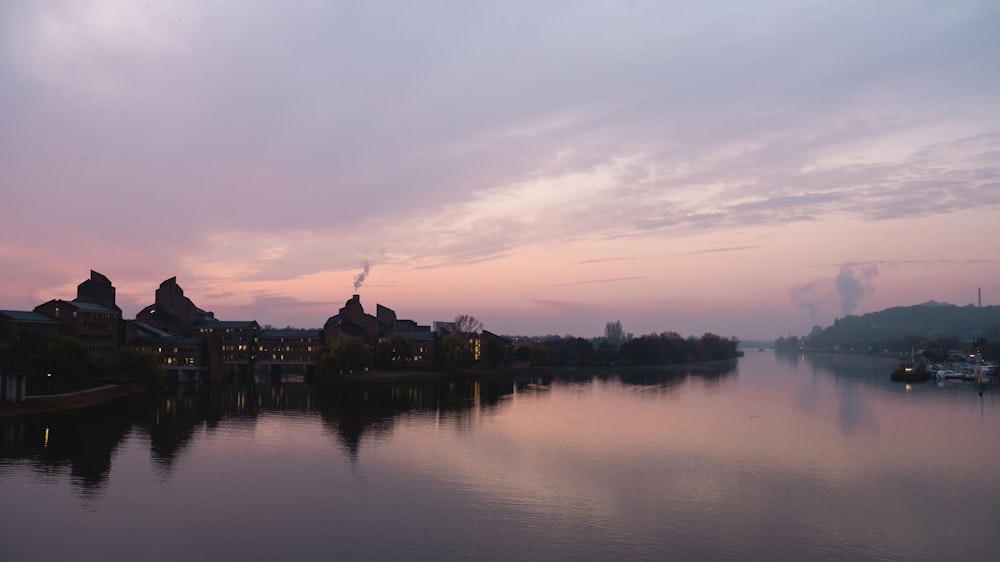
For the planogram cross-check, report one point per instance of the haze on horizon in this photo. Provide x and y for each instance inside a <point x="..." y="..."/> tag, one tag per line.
<point x="749" y="169"/>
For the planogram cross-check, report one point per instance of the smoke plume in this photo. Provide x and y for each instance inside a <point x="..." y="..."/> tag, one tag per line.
<point x="360" y="278"/>
<point x="811" y="297"/>
<point x="853" y="285"/>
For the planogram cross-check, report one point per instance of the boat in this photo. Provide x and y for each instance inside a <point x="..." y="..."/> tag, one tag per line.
<point x="907" y="371"/>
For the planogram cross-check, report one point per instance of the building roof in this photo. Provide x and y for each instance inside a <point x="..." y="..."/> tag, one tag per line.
<point x="149" y="330"/>
<point x="222" y="324"/>
<point x="419" y="335"/>
<point x="27" y="316"/>
<point x="290" y="333"/>
<point x="91" y="306"/>
<point x="166" y="341"/>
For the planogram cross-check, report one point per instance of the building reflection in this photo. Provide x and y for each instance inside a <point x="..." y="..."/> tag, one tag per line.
<point x="83" y="443"/>
<point x="86" y="441"/>
<point x="358" y="411"/>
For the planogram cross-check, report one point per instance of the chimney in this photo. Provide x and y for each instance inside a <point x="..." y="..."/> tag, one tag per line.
<point x="980" y="297"/>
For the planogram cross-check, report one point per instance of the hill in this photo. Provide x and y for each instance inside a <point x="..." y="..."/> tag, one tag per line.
<point x="900" y="328"/>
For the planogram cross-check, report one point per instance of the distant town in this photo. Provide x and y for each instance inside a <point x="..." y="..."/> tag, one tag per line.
<point x="74" y="341"/>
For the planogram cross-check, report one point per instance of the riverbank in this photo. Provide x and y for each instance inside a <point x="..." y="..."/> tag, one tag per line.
<point x="58" y="403"/>
<point x="415" y="375"/>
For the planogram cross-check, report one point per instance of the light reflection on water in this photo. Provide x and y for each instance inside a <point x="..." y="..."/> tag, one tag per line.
<point x="779" y="457"/>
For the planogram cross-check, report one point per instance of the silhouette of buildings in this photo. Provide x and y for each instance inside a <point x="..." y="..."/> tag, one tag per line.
<point x="192" y="344"/>
<point x="92" y="317"/>
<point x="379" y="330"/>
<point x="289" y="351"/>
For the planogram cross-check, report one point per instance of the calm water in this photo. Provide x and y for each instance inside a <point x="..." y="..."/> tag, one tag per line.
<point x="773" y="458"/>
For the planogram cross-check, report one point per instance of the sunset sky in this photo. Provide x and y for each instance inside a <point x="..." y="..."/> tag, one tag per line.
<point x="744" y="168"/>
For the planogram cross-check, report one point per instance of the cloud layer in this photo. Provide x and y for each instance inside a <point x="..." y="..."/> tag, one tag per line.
<point x="255" y="148"/>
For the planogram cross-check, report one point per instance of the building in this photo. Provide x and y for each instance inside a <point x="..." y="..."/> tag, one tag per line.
<point x="192" y="344"/>
<point x="379" y="329"/>
<point x="225" y="347"/>
<point x="17" y="324"/>
<point x="92" y="317"/>
<point x="423" y="346"/>
<point x="183" y="358"/>
<point x="354" y="321"/>
<point x="288" y="351"/>
<point x="171" y="310"/>
<point x="232" y="346"/>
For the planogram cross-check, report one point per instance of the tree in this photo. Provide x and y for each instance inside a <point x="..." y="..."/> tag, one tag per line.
<point x="397" y="350"/>
<point x="67" y="360"/>
<point x="140" y="364"/>
<point x="343" y="354"/>
<point x="614" y="334"/>
<point x="571" y="351"/>
<point x="28" y="350"/>
<point x="458" y="351"/>
<point x="465" y="324"/>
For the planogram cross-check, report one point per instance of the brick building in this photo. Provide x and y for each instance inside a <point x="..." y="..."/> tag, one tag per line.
<point x="225" y="347"/>
<point x="288" y="351"/>
<point x="92" y="317"/>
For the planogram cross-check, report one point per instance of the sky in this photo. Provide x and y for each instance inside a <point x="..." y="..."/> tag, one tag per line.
<point x="750" y="169"/>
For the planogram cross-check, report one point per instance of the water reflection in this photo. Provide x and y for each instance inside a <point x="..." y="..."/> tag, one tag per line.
<point x="86" y="441"/>
<point x="83" y="443"/>
<point x="355" y="411"/>
<point x="868" y="369"/>
<point x="657" y="379"/>
<point x="851" y="377"/>
<point x="620" y="464"/>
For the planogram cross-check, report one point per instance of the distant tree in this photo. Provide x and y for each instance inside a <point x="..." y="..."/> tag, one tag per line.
<point x="640" y="351"/>
<point x="523" y="352"/>
<point x="142" y="365"/>
<point x="341" y="356"/>
<point x="991" y="350"/>
<point x="465" y="324"/>
<point x="979" y="343"/>
<point x="67" y="360"/>
<point x="791" y="343"/>
<point x="458" y="351"/>
<point x="397" y="350"/>
<point x="571" y="351"/>
<point x="613" y="334"/>
<point x="539" y="354"/>
<point x="28" y="350"/>
<point x="670" y="347"/>
<point x="718" y="347"/>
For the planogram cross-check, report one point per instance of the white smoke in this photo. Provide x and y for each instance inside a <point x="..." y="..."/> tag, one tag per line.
<point x="360" y="278"/>
<point x="853" y="285"/>
<point x="811" y="297"/>
<point x="821" y="297"/>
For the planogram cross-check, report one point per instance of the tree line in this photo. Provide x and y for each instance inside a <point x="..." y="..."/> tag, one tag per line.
<point x="620" y="348"/>
<point x="64" y="364"/>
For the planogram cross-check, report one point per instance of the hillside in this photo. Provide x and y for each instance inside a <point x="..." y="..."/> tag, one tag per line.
<point x="899" y="328"/>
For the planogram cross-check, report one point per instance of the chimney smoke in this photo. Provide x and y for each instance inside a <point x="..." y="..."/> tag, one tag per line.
<point x="360" y="278"/>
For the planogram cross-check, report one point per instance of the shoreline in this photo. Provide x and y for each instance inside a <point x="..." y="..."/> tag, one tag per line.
<point x="107" y="394"/>
<point x="70" y="402"/>
<point x="407" y="375"/>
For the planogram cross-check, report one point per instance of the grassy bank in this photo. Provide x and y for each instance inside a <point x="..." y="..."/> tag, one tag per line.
<point x="35" y="405"/>
<point x="410" y="375"/>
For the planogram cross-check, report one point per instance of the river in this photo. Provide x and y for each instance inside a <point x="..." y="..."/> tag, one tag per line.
<point x="773" y="457"/>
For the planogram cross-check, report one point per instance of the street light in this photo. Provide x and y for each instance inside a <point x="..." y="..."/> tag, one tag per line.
<point x="48" y="385"/>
